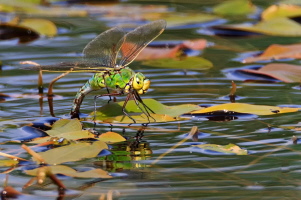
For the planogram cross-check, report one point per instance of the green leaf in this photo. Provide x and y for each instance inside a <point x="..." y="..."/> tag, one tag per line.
<point x="234" y="7"/>
<point x="42" y="26"/>
<point x="112" y="110"/>
<point x="281" y="10"/>
<point x="246" y="108"/>
<point x="276" y="26"/>
<point x="111" y="137"/>
<point x="70" y="129"/>
<point x="179" y="19"/>
<point x="73" y="152"/>
<point x="8" y="163"/>
<point x="67" y="171"/>
<point x="183" y="63"/>
<point x="228" y="149"/>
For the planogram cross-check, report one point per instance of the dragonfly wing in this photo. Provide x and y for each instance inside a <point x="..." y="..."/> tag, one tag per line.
<point x="102" y="50"/>
<point x="138" y="39"/>
<point x="65" y="66"/>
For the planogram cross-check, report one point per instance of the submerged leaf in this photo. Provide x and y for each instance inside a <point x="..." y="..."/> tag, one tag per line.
<point x="183" y="63"/>
<point x="247" y="108"/>
<point x="73" y="152"/>
<point x="228" y="149"/>
<point x="234" y="7"/>
<point x="68" y="171"/>
<point x="277" y="51"/>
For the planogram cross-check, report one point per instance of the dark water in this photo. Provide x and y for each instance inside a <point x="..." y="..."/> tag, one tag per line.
<point x="270" y="171"/>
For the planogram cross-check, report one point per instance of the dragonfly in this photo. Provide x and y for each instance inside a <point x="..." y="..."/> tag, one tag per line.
<point x="108" y="56"/>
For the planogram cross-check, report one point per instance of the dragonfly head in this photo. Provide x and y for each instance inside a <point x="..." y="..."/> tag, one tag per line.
<point x="140" y="83"/>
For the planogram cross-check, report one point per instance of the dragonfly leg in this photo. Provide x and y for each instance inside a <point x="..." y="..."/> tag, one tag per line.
<point x="137" y="99"/>
<point x="123" y="107"/>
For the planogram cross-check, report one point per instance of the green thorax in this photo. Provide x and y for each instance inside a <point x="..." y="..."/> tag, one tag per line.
<point x="114" y="79"/>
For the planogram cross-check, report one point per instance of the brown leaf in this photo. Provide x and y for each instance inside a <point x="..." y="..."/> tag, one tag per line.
<point x="276" y="51"/>
<point x="164" y="52"/>
<point x="283" y="72"/>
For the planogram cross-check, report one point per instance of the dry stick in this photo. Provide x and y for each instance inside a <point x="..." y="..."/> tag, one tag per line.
<point x="34" y="154"/>
<point x="50" y="91"/>
<point x="42" y="161"/>
<point x="232" y="92"/>
<point x="11" y="156"/>
<point x="192" y="132"/>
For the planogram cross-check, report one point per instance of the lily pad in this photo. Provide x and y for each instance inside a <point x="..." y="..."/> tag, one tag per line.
<point x="183" y="63"/>
<point x="247" y="108"/>
<point x="73" y="152"/>
<point x="112" y="110"/>
<point x="227" y="149"/>
<point x="234" y="7"/>
<point x="68" y="171"/>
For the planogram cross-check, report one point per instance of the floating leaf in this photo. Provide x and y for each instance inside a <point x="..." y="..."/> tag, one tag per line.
<point x="32" y="8"/>
<point x="183" y="63"/>
<point x="275" y="26"/>
<point x="164" y="112"/>
<point x="141" y="119"/>
<point x="174" y="19"/>
<point x="42" y="26"/>
<point x="8" y="163"/>
<point x="170" y="50"/>
<point x="228" y="149"/>
<point x="282" y="10"/>
<point x="283" y="72"/>
<point x="247" y="108"/>
<point x="234" y="7"/>
<point x="277" y="51"/>
<point x="73" y="152"/>
<point x="70" y="129"/>
<point x="67" y="171"/>
<point x="111" y="137"/>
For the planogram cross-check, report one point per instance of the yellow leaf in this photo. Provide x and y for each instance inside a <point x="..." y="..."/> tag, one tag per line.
<point x="282" y="10"/>
<point x="111" y="137"/>
<point x="42" y="26"/>
<point x="247" y="108"/>
<point x="230" y="148"/>
<point x="68" y="171"/>
<point x="234" y="7"/>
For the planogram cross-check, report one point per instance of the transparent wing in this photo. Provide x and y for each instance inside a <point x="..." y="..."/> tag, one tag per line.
<point x="64" y="66"/>
<point x="136" y="40"/>
<point x="103" y="50"/>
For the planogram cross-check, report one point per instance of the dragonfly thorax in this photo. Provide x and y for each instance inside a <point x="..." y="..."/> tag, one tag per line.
<point x="122" y="80"/>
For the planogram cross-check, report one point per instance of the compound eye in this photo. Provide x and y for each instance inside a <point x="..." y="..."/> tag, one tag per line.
<point x="138" y="81"/>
